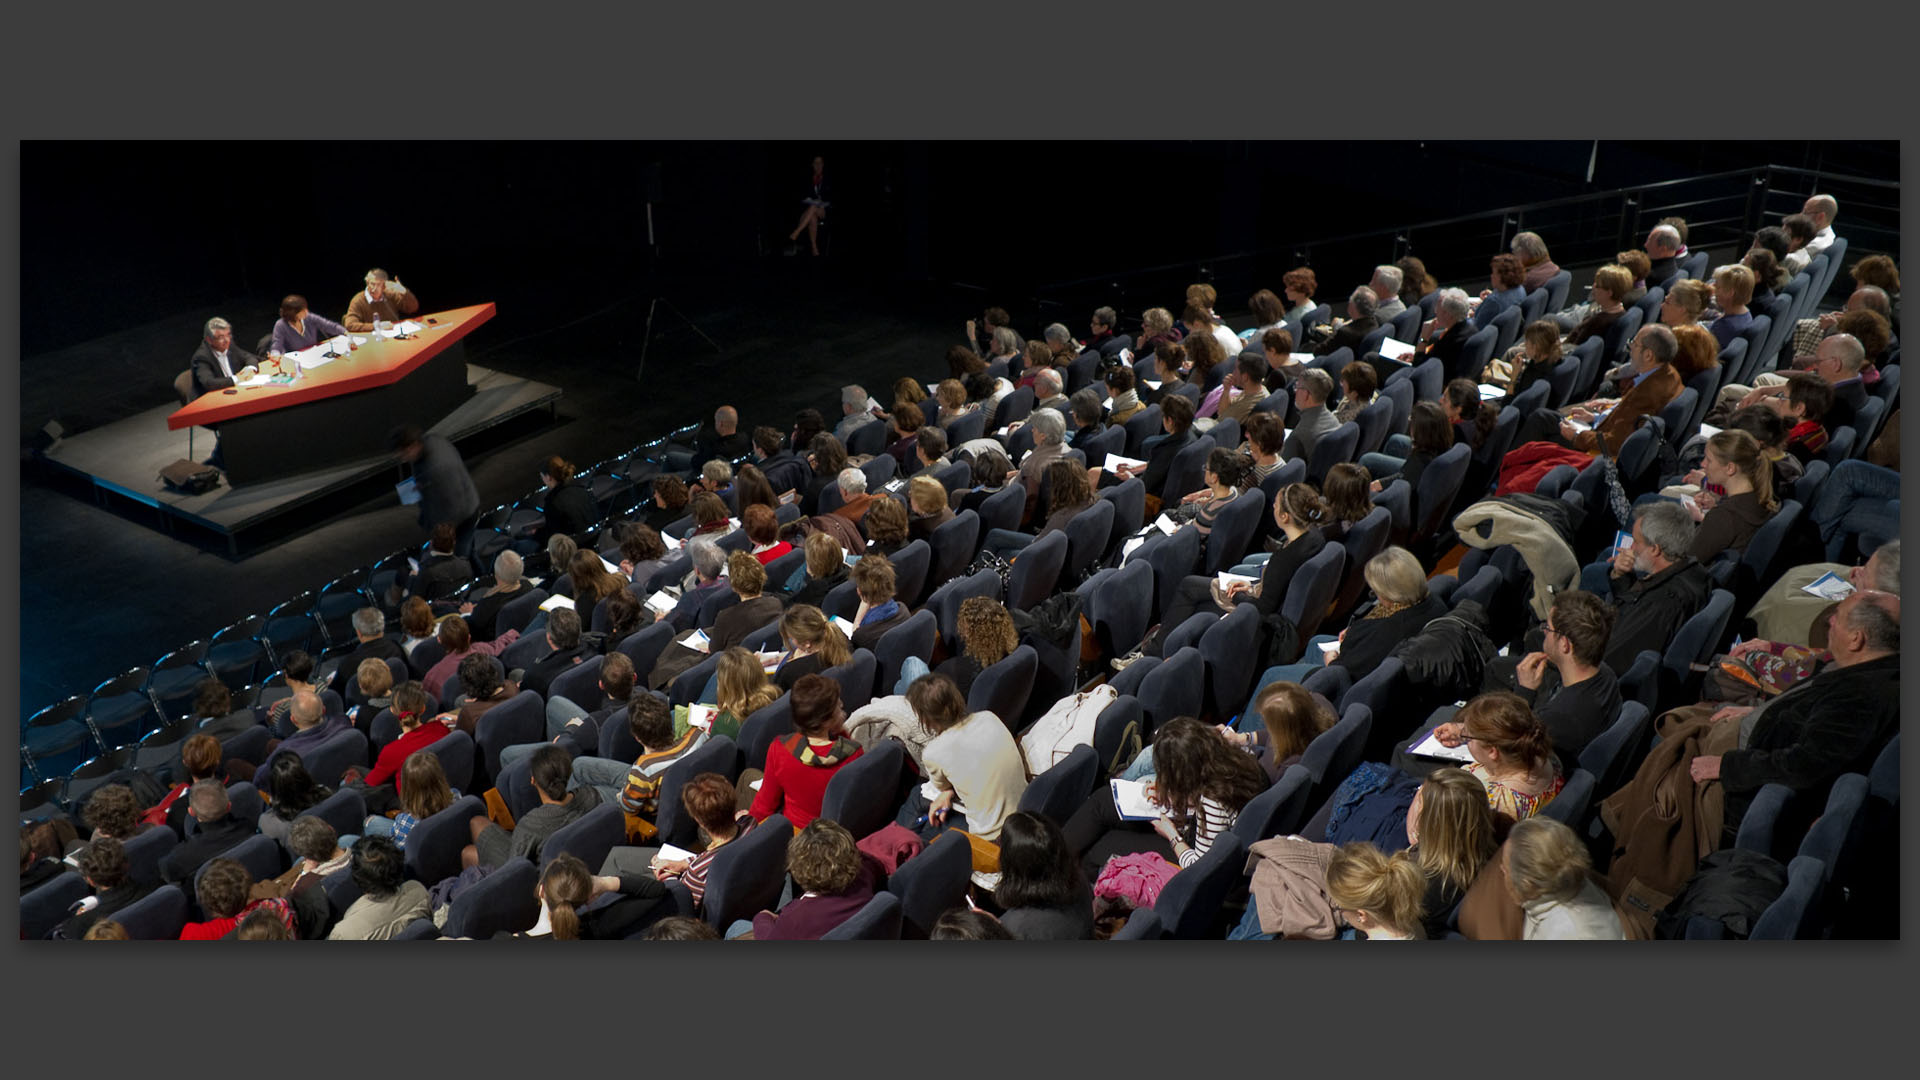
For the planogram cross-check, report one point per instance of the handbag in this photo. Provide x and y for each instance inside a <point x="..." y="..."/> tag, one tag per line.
<point x="987" y="560"/>
<point x="190" y="477"/>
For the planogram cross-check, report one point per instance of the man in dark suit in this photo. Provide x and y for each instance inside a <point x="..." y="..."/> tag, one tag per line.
<point x="219" y="830"/>
<point x="1361" y="321"/>
<point x="1444" y="335"/>
<point x="1663" y="247"/>
<point x="564" y="651"/>
<point x="784" y="469"/>
<point x="447" y="494"/>
<point x="369" y="628"/>
<point x="217" y="364"/>
<point x="103" y="863"/>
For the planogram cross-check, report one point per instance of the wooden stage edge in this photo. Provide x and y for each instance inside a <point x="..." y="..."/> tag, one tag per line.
<point x="124" y="459"/>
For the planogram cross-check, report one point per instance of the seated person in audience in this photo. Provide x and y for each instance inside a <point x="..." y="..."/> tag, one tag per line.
<point x="218" y="363"/>
<point x="1567" y="682"/>
<point x="826" y="569"/>
<point x="1385" y="284"/>
<point x="1539" y="266"/>
<point x="903" y="424"/>
<point x="1299" y="284"/>
<point x="741" y="688"/>
<point x="297" y="672"/>
<point x="806" y="424"/>
<point x="568" y="506"/>
<point x="710" y="517"/>
<point x="384" y="299"/>
<point x="929" y="451"/>
<point x="856" y="411"/>
<point x="813" y="645"/>
<point x="103" y="865"/>
<point x="441" y="573"/>
<point x="1173" y="367"/>
<point x="1637" y="265"/>
<point x="591" y="582"/>
<point x="1513" y="754"/>
<point x="784" y="470"/>
<point x="507" y="586"/>
<point x="951" y="393"/>
<point x="1530" y="360"/>
<point x="880" y="610"/>
<point x="40" y="853"/>
<point x="1444" y="335"/>
<point x="1361" y="320"/>
<point x="1042" y="892"/>
<point x="886" y="526"/>
<point x="1049" y="389"/>
<point x="458" y="642"/>
<point x="1245" y="387"/>
<point x="112" y="810"/>
<point x="1382" y="897"/>
<point x="1655" y="585"/>
<point x="1732" y="290"/>
<point x="1548" y="873"/>
<point x="1084" y="405"/>
<point x="1429" y="434"/>
<point x="1277" y="346"/>
<point x="1122" y="394"/>
<point x="854" y="496"/>
<point x="419" y="729"/>
<point x="484" y="686"/>
<point x="1808" y="333"/>
<point x="200" y="757"/>
<point x="1686" y="303"/>
<point x="724" y="440"/>
<point x="1663" y="246"/>
<point x="1269" y="313"/>
<point x="710" y="800"/>
<point x="799" y="766"/>
<point x="370" y="630"/>
<point x="626" y="616"/>
<point x="971" y="759"/>
<point x="295" y="791"/>
<point x="928" y="509"/>
<point x="1736" y="495"/>
<point x="375" y="682"/>
<point x="1298" y="512"/>
<point x="1101" y="327"/>
<point x="1697" y="351"/>
<point x="1201" y="783"/>
<point x="581" y="720"/>
<point x="709" y="563"/>
<point x="1280" y="723"/>
<point x="1834" y="723"/>
<point x="1651" y="385"/>
<point x="1767" y="427"/>
<point x="732" y="626"/>
<point x="561" y="804"/>
<point x="1049" y="445"/>
<point x="417" y="624"/>
<point x="669" y="503"/>
<point x="1265" y="435"/>
<point x="1310" y="393"/>
<point x="826" y="457"/>
<point x="1787" y="615"/>
<point x="1819" y="210"/>
<point x="1612" y="284"/>
<point x="388" y="900"/>
<point x="1357" y="385"/>
<point x="990" y="471"/>
<point x="1839" y="360"/>
<point x="423" y="792"/>
<point x="835" y="880"/>
<point x="1473" y="417"/>
<point x="636" y="786"/>
<point x="312" y="727"/>
<point x="716" y="477"/>
<point x="1505" y="291"/>
<point x="222" y="892"/>
<point x="1176" y="418"/>
<point x="987" y="636"/>
<point x="752" y="488"/>
<point x="215" y="715"/>
<point x="220" y="829"/>
<point x="1348" y="494"/>
<point x="1224" y="474"/>
<point x="1402" y="606"/>
<point x="317" y="852"/>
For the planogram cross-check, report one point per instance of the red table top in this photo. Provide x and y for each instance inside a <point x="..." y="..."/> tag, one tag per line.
<point x="380" y="362"/>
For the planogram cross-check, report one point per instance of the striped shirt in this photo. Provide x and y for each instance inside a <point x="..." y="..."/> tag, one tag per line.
<point x="643" y="780"/>
<point x="695" y="877"/>
<point x="1214" y="819"/>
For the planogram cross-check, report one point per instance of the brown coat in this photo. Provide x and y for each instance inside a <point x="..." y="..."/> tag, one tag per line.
<point x="855" y="508"/>
<point x="1289" y="882"/>
<point x="1662" y="822"/>
<point x="360" y="313"/>
<point x="1653" y="392"/>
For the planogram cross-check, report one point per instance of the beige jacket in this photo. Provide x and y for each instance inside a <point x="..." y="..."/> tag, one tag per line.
<point x="1290" y="885"/>
<point x="368" y="919"/>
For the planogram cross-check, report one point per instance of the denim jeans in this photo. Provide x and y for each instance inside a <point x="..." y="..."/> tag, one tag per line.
<point x="912" y="669"/>
<point x="559" y="711"/>
<point x="1858" y="498"/>
<point x="1007" y="543"/>
<point x="1380" y="465"/>
<point x="1249" y="928"/>
<point x="1249" y="719"/>
<point x="605" y="775"/>
<point x="376" y="825"/>
<point x="1142" y="767"/>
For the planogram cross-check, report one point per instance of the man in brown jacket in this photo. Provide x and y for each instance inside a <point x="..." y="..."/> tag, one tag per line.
<point x="1651" y="386"/>
<point x="383" y="299"/>
<point x="854" y="498"/>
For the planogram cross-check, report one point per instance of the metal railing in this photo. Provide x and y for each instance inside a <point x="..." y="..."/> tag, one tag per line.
<point x="1721" y="209"/>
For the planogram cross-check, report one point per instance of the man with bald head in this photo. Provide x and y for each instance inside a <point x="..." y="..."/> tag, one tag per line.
<point x="1834" y="723"/>
<point x="1839" y="360"/>
<point x="1807" y="333"/>
<point x="311" y="727"/>
<point x="722" y="439"/>
<point x="1663" y="246"/>
<point x="1820" y="210"/>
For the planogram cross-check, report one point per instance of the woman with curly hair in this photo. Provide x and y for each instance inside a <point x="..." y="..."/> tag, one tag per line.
<point x="886" y="526"/>
<point x="987" y="636"/>
<point x="1299" y="284"/>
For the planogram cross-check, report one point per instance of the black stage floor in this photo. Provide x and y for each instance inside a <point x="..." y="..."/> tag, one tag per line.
<point x="102" y="591"/>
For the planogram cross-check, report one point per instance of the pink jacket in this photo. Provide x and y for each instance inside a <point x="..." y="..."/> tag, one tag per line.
<point x="449" y="666"/>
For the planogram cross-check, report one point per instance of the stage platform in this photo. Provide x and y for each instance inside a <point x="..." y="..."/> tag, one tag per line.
<point x="123" y="460"/>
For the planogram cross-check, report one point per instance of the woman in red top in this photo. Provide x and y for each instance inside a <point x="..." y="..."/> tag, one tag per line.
<point x="457" y="638"/>
<point x="201" y="755"/>
<point x="417" y="733"/>
<point x="800" y="766"/>
<point x="763" y="531"/>
<point x="223" y="891"/>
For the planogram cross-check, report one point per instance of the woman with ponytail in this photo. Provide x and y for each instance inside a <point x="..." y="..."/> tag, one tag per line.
<point x="419" y="730"/>
<point x="1299" y="512"/>
<point x="1736" y="495"/>
<point x="1473" y="419"/>
<point x="1381" y="896"/>
<point x="1512" y="755"/>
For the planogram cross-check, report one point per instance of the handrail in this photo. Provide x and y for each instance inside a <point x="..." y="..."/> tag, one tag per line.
<point x="1756" y="172"/>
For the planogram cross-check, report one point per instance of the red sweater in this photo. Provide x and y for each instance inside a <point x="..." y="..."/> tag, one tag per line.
<point x="791" y="788"/>
<point x="394" y="754"/>
<point x="215" y="929"/>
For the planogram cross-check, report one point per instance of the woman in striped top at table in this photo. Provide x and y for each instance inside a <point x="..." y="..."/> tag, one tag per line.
<point x="1201" y="784"/>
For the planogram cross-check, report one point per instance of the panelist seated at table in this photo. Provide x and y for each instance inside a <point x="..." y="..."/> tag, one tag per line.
<point x="218" y="362"/>
<point x="300" y="328"/>
<point x="383" y="298"/>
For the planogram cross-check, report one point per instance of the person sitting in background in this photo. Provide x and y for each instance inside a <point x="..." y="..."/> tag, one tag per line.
<point x="369" y="630"/>
<point x="113" y="811"/>
<point x="752" y="488"/>
<point x="1402" y="606"/>
<point x="569" y="505"/>
<point x="813" y="645"/>
<point x="416" y="624"/>
<point x="763" y="532"/>
<point x="458" y="642"/>
<point x="854" y="498"/>
<point x="710" y="800"/>
<point x="222" y="891"/>
<point x="1809" y="332"/>
<point x="1310" y="393"/>
<point x="880" y="610"/>
<point x="485" y="686"/>
<point x="1042" y="893"/>
<point x="1269" y="313"/>
<point x="560" y="805"/>
<point x="1445" y="334"/>
<point x="1548" y="873"/>
<point x="1385" y="284"/>
<point x="295" y="791"/>
<point x="200" y="757"/>
<point x="1538" y="266"/>
<point x="312" y="727"/>
<point x="826" y="569"/>
<point x="1662" y="246"/>
<point x="856" y="411"/>
<point x="741" y="689"/>
<point x="1612" y="284"/>
<point x="1651" y="384"/>
<point x="1122" y="394"/>
<point x="1513" y="754"/>
<point x="1818" y="213"/>
<point x="886" y="527"/>
<point x="1280" y="723"/>
<point x="1567" y="682"/>
<point x="299" y="328"/>
<point x="1277" y="347"/>
<point x="1686" y="303"/>
<point x="670" y="498"/>
<point x="1736" y="495"/>
<point x="388" y="900"/>
<point x="220" y="829"/>
<point x="929" y="450"/>
<point x="730" y="627"/>
<point x="1697" y="351"/>
<point x="1787" y="615"/>
<point x="1381" y="896"/>
<point x="1506" y="276"/>
<point x="103" y="866"/>
<point x="384" y="299"/>
<point x="970" y="757"/>
<point x="1084" y="406"/>
<point x="903" y="424"/>
<point x="927" y="501"/>
<point x="1358" y="385"/>
<point x="1245" y="388"/>
<point x="1049" y="437"/>
<point x="1299" y="284"/>
<point x="1732" y="289"/>
<point x="709" y="563"/>
<point x="1655" y="585"/>
<point x="835" y="880"/>
<point x="1428" y="436"/>
<point x="987" y="636"/>
<point x="800" y="766"/>
<point x="1201" y="783"/>
<point x="1265" y="436"/>
<point x="41" y="847"/>
<point x="1533" y="359"/>
<point x="710" y="516"/>
<point x="441" y="573"/>
<point x="1361" y="320"/>
<point x="826" y="456"/>
<point x="316" y="853"/>
<point x="1223" y="474"/>
<point x="1768" y="275"/>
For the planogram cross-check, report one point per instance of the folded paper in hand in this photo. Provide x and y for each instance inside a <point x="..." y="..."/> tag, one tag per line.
<point x="697" y="641"/>
<point x="1226" y="579"/>
<point x="556" y="601"/>
<point x="701" y="716"/>
<point x="662" y="601"/>
<point x="669" y="853"/>
<point x="1394" y="350"/>
<point x="1433" y="748"/>
<point x="1114" y="461"/>
<point x="846" y="625"/>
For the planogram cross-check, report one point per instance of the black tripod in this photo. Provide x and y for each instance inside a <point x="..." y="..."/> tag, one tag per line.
<point x="646" y="341"/>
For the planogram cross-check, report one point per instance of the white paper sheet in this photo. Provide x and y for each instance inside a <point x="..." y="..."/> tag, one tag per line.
<point x="1394" y="350"/>
<point x="1116" y="460"/>
<point x="1829" y="586"/>
<point x="662" y="601"/>
<point x="1430" y="747"/>
<point x="1130" y="799"/>
<point x="557" y="601"/>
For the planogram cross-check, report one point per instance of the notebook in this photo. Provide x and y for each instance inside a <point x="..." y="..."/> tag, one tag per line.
<point x="1130" y="799"/>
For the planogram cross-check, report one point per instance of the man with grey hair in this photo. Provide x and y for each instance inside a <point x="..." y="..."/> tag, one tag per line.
<point x="855" y="410"/>
<point x="1101" y="329"/>
<point x="1362" y="319"/>
<point x="1310" y="393"/>
<point x="854" y="497"/>
<point x="1663" y="248"/>
<point x="1532" y="253"/>
<point x="384" y="299"/>
<point x="1600" y="426"/>
<point x="1386" y="282"/>
<point x="311" y="727"/>
<point x="370" y="629"/>
<point x="1443" y="336"/>
<point x="217" y="364"/>
<point x="1047" y="390"/>
<point x="1787" y="614"/>
<point x="1836" y="722"/>
<point x="709" y="564"/>
<point x="219" y="830"/>
<point x="1838" y="359"/>
<point x="507" y="586"/>
<point x="1061" y="344"/>
<point x="1049" y="429"/>
<point x="1654" y="585"/>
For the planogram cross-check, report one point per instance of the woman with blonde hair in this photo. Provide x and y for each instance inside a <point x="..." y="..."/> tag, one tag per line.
<point x="1512" y="754"/>
<point x="1685" y="302"/>
<point x="1732" y="290"/>
<point x="1736" y="495"/>
<point x="742" y="689"/>
<point x="1402" y="605"/>
<point x="1450" y="830"/>
<point x="1381" y="896"/>
<point x="952" y="395"/>
<point x="886" y="525"/>
<point x="1156" y="329"/>
<point x="1531" y="360"/>
<point x="1612" y="286"/>
<point x="1547" y="871"/>
<point x="927" y="503"/>
<point x="813" y="645"/>
<point x="826" y="568"/>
